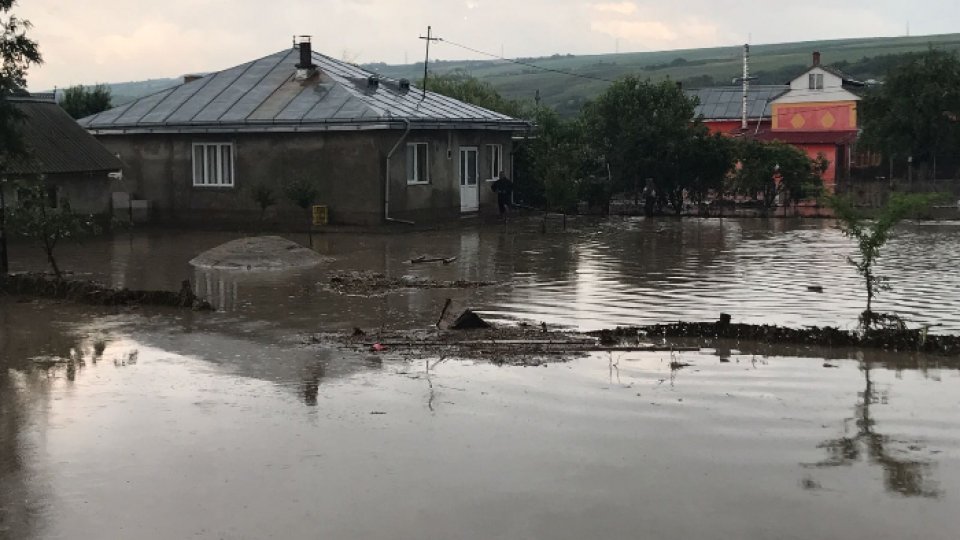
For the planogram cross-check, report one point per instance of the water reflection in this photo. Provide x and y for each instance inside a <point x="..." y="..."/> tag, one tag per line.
<point x="310" y="385"/>
<point x="598" y="274"/>
<point x="904" y="474"/>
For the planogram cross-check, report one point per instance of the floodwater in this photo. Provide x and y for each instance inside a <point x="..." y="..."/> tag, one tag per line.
<point x="597" y="274"/>
<point x="156" y="424"/>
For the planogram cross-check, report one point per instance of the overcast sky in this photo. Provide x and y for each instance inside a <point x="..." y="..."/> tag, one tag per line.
<point x="88" y="41"/>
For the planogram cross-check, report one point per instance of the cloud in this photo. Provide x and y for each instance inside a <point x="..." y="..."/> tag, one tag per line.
<point x="622" y="8"/>
<point x="651" y="28"/>
<point x="122" y="40"/>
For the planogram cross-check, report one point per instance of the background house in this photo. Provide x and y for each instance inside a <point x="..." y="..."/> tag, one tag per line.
<point x="76" y="167"/>
<point x="721" y="108"/>
<point x="818" y="114"/>
<point x="379" y="149"/>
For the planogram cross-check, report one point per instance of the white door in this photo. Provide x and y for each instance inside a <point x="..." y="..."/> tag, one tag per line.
<point x="469" y="188"/>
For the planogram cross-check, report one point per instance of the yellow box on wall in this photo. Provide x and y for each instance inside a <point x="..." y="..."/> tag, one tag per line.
<point x="321" y="215"/>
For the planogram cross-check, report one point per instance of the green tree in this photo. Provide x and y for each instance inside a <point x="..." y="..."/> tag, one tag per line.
<point x="464" y="87"/>
<point x="760" y="162"/>
<point x="265" y="196"/>
<point x="641" y="129"/>
<point x="17" y="53"/>
<point x="704" y="163"/>
<point x="303" y="192"/>
<point x="916" y="112"/>
<point x="872" y="235"/>
<point x="553" y="163"/>
<point x="81" y="101"/>
<point x="42" y="218"/>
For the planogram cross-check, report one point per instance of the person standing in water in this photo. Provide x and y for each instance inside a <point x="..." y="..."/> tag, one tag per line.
<point x="503" y="187"/>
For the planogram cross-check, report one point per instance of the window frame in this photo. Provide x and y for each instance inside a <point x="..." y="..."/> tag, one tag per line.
<point x="416" y="180"/>
<point x="815" y="81"/>
<point x="218" y="148"/>
<point x="495" y="150"/>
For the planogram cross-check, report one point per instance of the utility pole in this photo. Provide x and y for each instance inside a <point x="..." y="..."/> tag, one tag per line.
<point x="426" y="62"/>
<point x="746" y="86"/>
<point x="4" y="262"/>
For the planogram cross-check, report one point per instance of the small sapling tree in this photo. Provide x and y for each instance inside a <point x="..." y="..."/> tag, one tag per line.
<point x="303" y="192"/>
<point x="264" y="195"/>
<point x="871" y="235"/>
<point x="42" y="218"/>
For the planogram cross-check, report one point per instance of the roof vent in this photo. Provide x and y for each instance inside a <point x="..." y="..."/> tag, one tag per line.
<point x="373" y="82"/>
<point x="404" y="85"/>
<point x="191" y="77"/>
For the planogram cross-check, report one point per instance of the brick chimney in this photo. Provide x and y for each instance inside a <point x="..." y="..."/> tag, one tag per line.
<point x="816" y="58"/>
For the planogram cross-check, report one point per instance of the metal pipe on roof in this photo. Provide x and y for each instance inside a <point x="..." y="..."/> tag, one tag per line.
<point x="386" y="191"/>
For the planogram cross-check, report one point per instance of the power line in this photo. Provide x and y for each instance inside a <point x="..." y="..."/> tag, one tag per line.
<point x="526" y="64"/>
<point x="590" y="77"/>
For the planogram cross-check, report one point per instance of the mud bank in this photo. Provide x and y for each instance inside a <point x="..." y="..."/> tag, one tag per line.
<point x="524" y="345"/>
<point x="888" y="340"/>
<point x="89" y="292"/>
<point x="375" y="283"/>
<point x="534" y="345"/>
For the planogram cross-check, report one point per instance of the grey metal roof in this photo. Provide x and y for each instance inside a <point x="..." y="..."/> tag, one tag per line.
<point x="265" y="95"/>
<point x="725" y="102"/>
<point x="57" y="144"/>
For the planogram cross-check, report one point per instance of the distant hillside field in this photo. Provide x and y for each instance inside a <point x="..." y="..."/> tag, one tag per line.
<point x="865" y="58"/>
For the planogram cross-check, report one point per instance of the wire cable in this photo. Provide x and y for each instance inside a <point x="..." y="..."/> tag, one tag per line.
<point x="526" y="64"/>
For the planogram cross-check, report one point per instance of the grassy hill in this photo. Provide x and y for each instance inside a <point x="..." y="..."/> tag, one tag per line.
<point x="773" y="63"/>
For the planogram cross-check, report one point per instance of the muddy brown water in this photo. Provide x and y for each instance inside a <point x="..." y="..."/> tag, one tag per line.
<point x="225" y="426"/>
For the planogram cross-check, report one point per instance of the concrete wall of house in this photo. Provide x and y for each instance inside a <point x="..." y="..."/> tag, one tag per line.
<point x="87" y="192"/>
<point x="159" y="168"/>
<point x="350" y="168"/>
<point x="440" y="199"/>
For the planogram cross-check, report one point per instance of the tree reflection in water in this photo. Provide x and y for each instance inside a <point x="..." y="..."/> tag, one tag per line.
<point x="902" y="475"/>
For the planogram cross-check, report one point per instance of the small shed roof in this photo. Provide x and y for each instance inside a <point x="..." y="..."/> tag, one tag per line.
<point x="56" y="142"/>
<point x="726" y="102"/>
<point x="265" y="95"/>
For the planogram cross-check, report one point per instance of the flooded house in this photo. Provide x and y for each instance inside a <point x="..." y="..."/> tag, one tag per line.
<point x="818" y="115"/>
<point x="74" y="165"/>
<point x="377" y="149"/>
<point x="721" y="107"/>
<point x="816" y="112"/>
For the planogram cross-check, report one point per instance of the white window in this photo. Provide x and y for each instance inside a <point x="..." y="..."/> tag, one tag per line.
<point x="816" y="81"/>
<point x="418" y="164"/>
<point x="213" y="164"/>
<point x="495" y="151"/>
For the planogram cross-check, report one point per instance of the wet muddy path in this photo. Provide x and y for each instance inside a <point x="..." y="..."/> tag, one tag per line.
<point x="170" y="424"/>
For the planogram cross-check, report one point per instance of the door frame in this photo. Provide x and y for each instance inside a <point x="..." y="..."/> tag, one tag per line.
<point x="465" y="203"/>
